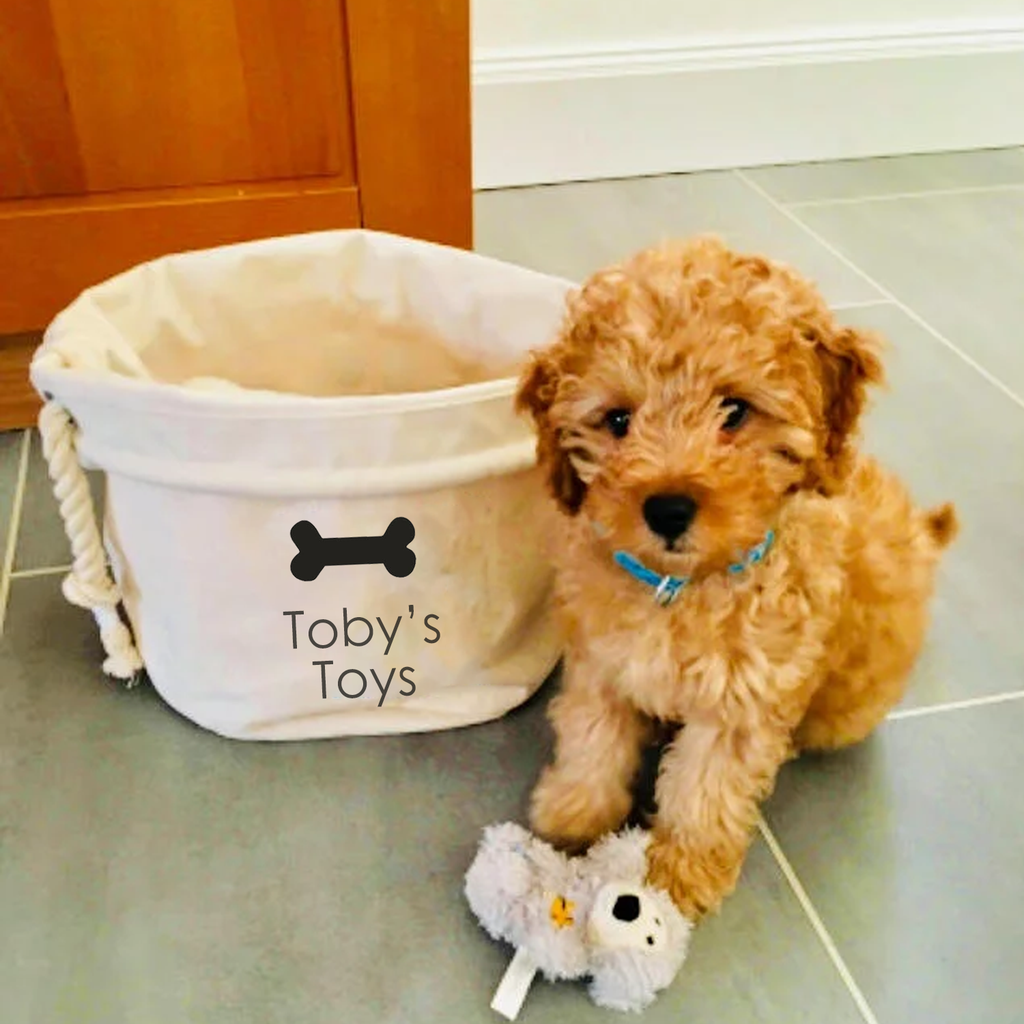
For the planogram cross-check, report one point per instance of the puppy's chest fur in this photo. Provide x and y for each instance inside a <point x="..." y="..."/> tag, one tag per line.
<point x="729" y="646"/>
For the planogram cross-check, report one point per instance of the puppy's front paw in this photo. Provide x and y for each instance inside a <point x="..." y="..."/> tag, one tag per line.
<point x="693" y="886"/>
<point x="571" y="814"/>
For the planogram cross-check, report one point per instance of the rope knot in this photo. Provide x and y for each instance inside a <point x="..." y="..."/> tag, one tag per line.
<point x="89" y="594"/>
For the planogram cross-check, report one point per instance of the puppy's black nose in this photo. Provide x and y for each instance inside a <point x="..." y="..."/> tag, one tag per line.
<point x="627" y="908"/>
<point x="669" y="515"/>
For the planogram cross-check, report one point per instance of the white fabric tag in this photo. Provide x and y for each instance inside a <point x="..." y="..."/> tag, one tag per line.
<point x="515" y="983"/>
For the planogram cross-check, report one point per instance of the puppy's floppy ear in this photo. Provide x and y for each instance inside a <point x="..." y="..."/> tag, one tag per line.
<point x="849" y="361"/>
<point x="538" y="387"/>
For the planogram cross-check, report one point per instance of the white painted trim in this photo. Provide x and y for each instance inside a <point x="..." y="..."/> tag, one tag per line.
<point x="716" y="53"/>
<point x="697" y="104"/>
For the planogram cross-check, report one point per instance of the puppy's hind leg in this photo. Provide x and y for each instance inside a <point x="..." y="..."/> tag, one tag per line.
<point x="847" y="709"/>
<point x="599" y="738"/>
<point x="881" y="634"/>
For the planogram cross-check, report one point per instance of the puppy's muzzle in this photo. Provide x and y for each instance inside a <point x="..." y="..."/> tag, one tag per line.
<point x="669" y="515"/>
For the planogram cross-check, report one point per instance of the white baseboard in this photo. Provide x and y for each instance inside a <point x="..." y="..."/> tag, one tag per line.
<point x="557" y="116"/>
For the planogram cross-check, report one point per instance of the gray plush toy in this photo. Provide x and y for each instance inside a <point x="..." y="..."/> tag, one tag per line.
<point x="576" y="917"/>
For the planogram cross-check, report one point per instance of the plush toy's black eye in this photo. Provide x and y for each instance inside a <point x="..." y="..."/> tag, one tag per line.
<point x="650" y="940"/>
<point x="617" y="421"/>
<point x="626" y="907"/>
<point x="737" y="411"/>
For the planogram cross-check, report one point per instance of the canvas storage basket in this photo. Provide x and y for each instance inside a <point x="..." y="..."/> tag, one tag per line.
<point x="206" y="480"/>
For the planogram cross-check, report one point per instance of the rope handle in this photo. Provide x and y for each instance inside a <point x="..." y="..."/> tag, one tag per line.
<point x="89" y="585"/>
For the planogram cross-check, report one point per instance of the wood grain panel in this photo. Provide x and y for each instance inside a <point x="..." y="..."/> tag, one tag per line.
<point x="409" y="64"/>
<point x="296" y="76"/>
<point x="187" y="92"/>
<point x="38" y="149"/>
<point x="19" y="404"/>
<point x="51" y="249"/>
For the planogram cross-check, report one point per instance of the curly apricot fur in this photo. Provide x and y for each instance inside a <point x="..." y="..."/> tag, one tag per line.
<point x="810" y="648"/>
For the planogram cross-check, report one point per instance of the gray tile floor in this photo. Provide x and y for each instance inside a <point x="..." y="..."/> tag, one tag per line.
<point x="152" y="872"/>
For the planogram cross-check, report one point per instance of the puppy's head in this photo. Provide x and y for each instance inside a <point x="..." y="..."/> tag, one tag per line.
<point x="689" y="392"/>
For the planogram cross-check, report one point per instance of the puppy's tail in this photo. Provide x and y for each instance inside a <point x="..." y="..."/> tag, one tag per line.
<point x="942" y="524"/>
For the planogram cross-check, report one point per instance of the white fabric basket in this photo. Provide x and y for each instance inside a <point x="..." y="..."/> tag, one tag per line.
<point x="205" y="482"/>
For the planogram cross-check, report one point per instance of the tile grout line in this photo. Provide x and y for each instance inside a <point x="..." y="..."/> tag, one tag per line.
<point x="862" y="304"/>
<point x="955" y="705"/>
<point x="769" y="837"/>
<point x="47" y="570"/>
<point x="884" y="292"/>
<point x="816" y="922"/>
<point x="13" y="527"/>
<point x="964" y="190"/>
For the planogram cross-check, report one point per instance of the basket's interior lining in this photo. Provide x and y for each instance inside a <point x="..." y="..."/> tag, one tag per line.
<point x="361" y="352"/>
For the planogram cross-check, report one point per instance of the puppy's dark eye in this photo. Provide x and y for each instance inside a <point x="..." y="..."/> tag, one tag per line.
<point x="736" y="412"/>
<point x="617" y="421"/>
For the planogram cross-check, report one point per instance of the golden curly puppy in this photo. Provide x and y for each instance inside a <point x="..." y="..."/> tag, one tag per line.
<point x="726" y="558"/>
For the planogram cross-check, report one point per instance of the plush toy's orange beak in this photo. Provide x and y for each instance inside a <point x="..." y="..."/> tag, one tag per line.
<point x="561" y="912"/>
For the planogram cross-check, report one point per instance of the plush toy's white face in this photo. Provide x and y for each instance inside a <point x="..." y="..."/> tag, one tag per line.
<point x="625" y="917"/>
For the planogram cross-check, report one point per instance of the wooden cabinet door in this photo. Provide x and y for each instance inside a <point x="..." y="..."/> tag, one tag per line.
<point x="134" y="128"/>
<point x="110" y="95"/>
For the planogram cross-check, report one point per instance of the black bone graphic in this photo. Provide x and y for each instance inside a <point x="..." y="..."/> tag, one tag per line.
<point x="392" y="550"/>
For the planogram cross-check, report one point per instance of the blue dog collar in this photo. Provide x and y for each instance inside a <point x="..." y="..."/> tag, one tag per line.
<point x="668" y="588"/>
